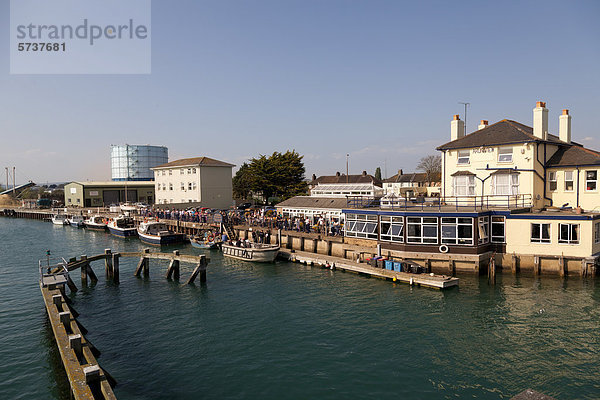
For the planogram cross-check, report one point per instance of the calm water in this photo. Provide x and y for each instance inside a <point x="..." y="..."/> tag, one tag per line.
<point x="288" y="331"/>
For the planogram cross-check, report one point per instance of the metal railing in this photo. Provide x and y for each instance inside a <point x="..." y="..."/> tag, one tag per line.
<point x="48" y="265"/>
<point x="505" y="202"/>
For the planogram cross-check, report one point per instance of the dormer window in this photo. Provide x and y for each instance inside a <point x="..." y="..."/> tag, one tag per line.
<point x="505" y="154"/>
<point x="463" y="156"/>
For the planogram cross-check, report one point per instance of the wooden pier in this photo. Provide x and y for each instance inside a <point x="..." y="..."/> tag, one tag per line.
<point x="87" y="379"/>
<point x="427" y="280"/>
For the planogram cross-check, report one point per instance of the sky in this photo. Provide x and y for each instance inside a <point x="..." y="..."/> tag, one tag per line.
<point x="378" y="80"/>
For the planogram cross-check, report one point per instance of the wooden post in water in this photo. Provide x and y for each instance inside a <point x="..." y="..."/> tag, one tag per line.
<point x="536" y="265"/>
<point x="84" y="277"/>
<point x="173" y="270"/>
<point x="513" y="265"/>
<point x="71" y="284"/>
<point x="562" y="266"/>
<point x="451" y="267"/>
<point x="200" y="269"/>
<point x="143" y="264"/>
<point x="108" y="263"/>
<point x="115" y="267"/>
<point x="492" y="270"/>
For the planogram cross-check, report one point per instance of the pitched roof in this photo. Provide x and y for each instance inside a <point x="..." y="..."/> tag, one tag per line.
<point x="314" y="202"/>
<point x="413" y="177"/>
<point x="341" y="179"/>
<point x="502" y="132"/>
<point x="201" y="161"/>
<point x="574" y="155"/>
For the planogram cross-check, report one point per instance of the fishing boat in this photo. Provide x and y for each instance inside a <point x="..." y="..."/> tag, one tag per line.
<point x="122" y="226"/>
<point x="60" y="219"/>
<point x="96" y="223"/>
<point x="154" y="232"/>
<point x="255" y="252"/>
<point x="76" y="221"/>
<point x="128" y="207"/>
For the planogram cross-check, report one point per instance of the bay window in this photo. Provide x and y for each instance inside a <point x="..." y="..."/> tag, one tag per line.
<point x="464" y="185"/>
<point x="484" y="229"/>
<point x="505" y="184"/>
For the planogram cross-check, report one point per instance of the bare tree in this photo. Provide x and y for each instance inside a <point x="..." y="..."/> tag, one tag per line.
<point x="431" y="165"/>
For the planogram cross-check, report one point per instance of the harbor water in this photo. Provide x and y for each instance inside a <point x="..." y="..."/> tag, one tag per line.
<point x="289" y="331"/>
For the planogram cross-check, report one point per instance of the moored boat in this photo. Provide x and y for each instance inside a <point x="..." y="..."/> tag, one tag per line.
<point x="60" y="219"/>
<point x="76" y="221"/>
<point x="122" y="226"/>
<point x="154" y="232"/>
<point x="204" y="244"/>
<point x="255" y="252"/>
<point x="96" y="223"/>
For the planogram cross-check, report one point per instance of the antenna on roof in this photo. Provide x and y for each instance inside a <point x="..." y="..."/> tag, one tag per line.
<point x="466" y="105"/>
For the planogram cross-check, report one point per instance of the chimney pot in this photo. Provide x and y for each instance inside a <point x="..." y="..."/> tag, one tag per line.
<point x="565" y="112"/>
<point x="337" y="173"/>
<point x="400" y="172"/>
<point x="540" y="104"/>
<point x="314" y="177"/>
<point x="364" y="173"/>
<point x="456" y="117"/>
<point x="483" y="124"/>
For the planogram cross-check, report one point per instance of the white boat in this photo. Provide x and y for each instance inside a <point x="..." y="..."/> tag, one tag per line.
<point x="76" y="221"/>
<point x="128" y="207"/>
<point x="256" y="252"/>
<point x="122" y="226"/>
<point x="154" y="232"/>
<point x="96" y="223"/>
<point x="60" y="219"/>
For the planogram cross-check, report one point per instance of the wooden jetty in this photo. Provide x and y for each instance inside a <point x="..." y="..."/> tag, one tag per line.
<point x="427" y="280"/>
<point x="87" y="379"/>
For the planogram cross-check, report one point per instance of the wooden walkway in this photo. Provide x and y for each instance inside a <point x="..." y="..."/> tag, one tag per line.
<point x="427" y="280"/>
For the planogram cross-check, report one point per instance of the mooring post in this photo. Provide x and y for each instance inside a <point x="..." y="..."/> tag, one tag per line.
<point x="75" y="344"/>
<point x="65" y="319"/>
<point x="492" y="271"/>
<point x="71" y="284"/>
<point x="536" y="265"/>
<point x="84" y="277"/>
<point x="451" y="266"/>
<point x="115" y="267"/>
<point x="200" y="269"/>
<point x="146" y="263"/>
<point x="562" y="266"/>
<point x="143" y="264"/>
<point x="428" y="265"/>
<point x="173" y="269"/>
<point x="108" y="263"/>
<point x="90" y="272"/>
<point x="513" y="265"/>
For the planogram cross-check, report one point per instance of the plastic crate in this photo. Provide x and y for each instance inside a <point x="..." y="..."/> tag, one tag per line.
<point x="389" y="265"/>
<point x="397" y="266"/>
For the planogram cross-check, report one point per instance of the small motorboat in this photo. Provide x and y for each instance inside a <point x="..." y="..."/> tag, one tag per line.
<point x="76" y="221"/>
<point x="60" y="219"/>
<point x="200" y="243"/>
<point x="155" y="232"/>
<point x="128" y="207"/>
<point x="122" y="226"/>
<point x="250" y="251"/>
<point x="96" y="223"/>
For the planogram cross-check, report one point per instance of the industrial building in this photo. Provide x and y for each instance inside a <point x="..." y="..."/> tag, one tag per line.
<point x="103" y="194"/>
<point x="134" y="162"/>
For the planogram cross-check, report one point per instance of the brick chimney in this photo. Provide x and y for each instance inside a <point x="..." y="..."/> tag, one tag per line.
<point x="400" y="172"/>
<point x="483" y="124"/>
<point x="564" y="126"/>
<point x="457" y="128"/>
<point x="540" y="121"/>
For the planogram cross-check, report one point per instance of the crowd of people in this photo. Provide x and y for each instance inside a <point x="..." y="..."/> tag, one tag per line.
<point x="262" y="217"/>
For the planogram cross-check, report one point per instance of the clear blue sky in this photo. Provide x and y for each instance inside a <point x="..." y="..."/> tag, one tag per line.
<point x="379" y="80"/>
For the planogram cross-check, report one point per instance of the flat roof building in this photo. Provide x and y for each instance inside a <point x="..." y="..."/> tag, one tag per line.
<point x="103" y="194"/>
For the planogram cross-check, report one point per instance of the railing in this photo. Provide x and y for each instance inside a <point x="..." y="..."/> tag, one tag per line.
<point x="507" y="202"/>
<point x="53" y="268"/>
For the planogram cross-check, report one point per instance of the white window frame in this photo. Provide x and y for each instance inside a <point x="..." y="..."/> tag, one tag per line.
<point x="483" y="226"/>
<point x="450" y="231"/>
<point x="569" y="174"/>
<point x="363" y="226"/>
<point x="464" y="158"/>
<point x="552" y="181"/>
<point x="513" y="184"/>
<point x="505" y="154"/>
<point x="573" y="230"/>
<point x="464" y="183"/>
<point x="391" y="229"/>
<point x="496" y="221"/>
<point x="541" y="238"/>
<point x="594" y="181"/>
<point x="423" y="223"/>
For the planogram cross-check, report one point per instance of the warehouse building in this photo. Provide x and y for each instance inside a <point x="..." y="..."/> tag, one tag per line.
<point x="103" y="194"/>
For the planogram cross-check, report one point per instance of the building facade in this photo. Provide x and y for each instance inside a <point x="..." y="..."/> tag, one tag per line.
<point x="103" y="194"/>
<point x="135" y="162"/>
<point x="201" y="181"/>
<point x="340" y="185"/>
<point x="413" y="184"/>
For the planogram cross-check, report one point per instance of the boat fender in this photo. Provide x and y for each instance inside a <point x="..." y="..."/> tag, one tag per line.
<point x="395" y="279"/>
<point x="210" y="238"/>
<point x="411" y="281"/>
<point x="443" y="248"/>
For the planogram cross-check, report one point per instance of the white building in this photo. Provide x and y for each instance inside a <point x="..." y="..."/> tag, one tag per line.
<point x="201" y="181"/>
<point x="340" y="185"/>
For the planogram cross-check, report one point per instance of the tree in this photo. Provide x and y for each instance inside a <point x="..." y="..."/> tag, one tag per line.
<point x="431" y="165"/>
<point x="378" y="173"/>
<point x="278" y="175"/>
